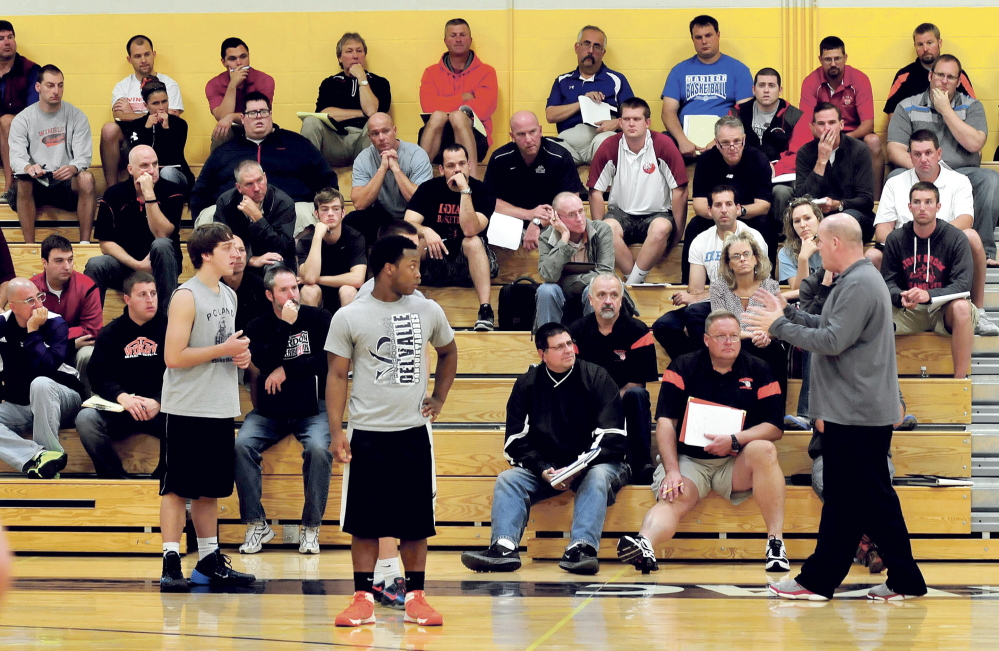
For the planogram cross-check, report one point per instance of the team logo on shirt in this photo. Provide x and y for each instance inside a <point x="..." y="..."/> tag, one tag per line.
<point x="53" y="137"/>
<point x="649" y="167"/>
<point x="400" y="351"/>
<point x="141" y="347"/>
<point x="746" y="383"/>
<point x="705" y="87"/>
<point x="540" y="169"/>
<point x="847" y="100"/>
<point x="298" y="345"/>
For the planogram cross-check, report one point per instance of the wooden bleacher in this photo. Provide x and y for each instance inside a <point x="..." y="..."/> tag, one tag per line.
<point x="80" y="514"/>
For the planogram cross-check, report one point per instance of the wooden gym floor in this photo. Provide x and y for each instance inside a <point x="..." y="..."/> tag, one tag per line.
<point x="114" y="603"/>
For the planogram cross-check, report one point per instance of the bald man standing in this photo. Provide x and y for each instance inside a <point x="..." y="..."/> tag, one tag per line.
<point x="853" y="402"/>
<point x="528" y="172"/>
<point x="40" y="392"/>
<point x="386" y="175"/>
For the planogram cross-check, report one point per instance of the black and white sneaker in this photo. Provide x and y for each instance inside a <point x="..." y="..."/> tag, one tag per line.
<point x="777" y="556"/>
<point x="216" y="570"/>
<point x="495" y="559"/>
<point x="485" y="322"/>
<point x="638" y="551"/>
<point x="580" y="558"/>
<point x="172" y="579"/>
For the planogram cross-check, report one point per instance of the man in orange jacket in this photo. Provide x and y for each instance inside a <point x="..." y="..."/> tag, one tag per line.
<point x="454" y="91"/>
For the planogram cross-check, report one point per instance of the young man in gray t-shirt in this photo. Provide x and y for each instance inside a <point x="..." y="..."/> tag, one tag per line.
<point x="202" y="351"/>
<point x="384" y="336"/>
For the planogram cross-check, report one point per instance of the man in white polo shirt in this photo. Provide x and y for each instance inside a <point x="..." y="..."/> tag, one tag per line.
<point x="956" y="206"/>
<point x="648" y="190"/>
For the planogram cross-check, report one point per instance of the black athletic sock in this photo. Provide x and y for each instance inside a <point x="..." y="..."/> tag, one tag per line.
<point x="363" y="581"/>
<point x="415" y="580"/>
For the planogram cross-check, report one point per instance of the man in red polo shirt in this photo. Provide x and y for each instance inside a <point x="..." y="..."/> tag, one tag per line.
<point x="225" y="91"/>
<point x="850" y="91"/>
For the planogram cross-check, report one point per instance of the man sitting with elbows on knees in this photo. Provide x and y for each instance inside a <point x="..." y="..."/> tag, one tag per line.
<point x="925" y="259"/>
<point x="734" y="466"/>
<point x="331" y="257"/>
<point x="558" y="411"/>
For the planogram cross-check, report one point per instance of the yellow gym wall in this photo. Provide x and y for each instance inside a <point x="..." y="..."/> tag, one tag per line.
<point x="527" y="48"/>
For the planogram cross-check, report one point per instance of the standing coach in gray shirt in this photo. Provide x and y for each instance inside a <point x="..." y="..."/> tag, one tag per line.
<point x="855" y="395"/>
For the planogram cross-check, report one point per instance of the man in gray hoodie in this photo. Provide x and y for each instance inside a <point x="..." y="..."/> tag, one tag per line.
<point x="855" y="392"/>
<point x="50" y="151"/>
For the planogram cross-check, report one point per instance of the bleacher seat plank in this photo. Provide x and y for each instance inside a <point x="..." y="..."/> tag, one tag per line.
<point x="74" y="541"/>
<point x="330" y="534"/>
<point x="740" y="549"/>
<point x="514" y="264"/>
<point x="13" y="233"/>
<point x="912" y="352"/>
<point x="139" y="454"/>
<point x="79" y="502"/>
<point x="27" y="258"/>
<point x="929" y="511"/>
<point x="931" y="400"/>
<point x="459" y="499"/>
<point x="916" y="453"/>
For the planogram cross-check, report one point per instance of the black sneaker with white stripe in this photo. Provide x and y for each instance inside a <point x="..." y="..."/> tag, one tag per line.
<point x="777" y="556"/>
<point x="638" y="551"/>
<point x="485" y="322"/>
<point x="495" y="559"/>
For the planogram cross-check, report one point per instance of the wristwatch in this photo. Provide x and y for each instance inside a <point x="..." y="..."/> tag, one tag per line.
<point x="736" y="446"/>
<point x="536" y="221"/>
<point x="743" y="213"/>
<point x="467" y="191"/>
<point x="363" y="83"/>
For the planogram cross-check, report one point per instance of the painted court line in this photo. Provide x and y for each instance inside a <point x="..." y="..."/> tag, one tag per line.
<point x="575" y="611"/>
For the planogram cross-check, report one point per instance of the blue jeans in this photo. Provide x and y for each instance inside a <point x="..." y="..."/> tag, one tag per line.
<point x="549" y="304"/>
<point x="517" y="489"/>
<point x="259" y="433"/>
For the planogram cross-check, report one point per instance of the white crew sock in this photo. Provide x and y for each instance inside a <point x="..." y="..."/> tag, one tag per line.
<point x="171" y="547"/>
<point x="207" y="546"/>
<point x="637" y="276"/>
<point x="389" y="568"/>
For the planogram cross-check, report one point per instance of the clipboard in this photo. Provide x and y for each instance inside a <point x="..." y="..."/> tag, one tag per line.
<point x="578" y="268"/>
<point x="703" y="414"/>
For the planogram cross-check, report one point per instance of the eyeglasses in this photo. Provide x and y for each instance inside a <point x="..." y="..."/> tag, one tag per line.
<point x="40" y="298"/>
<point x="741" y="256"/>
<point x="725" y="338"/>
<point x="941" y="76"/>
<point x="558" y="348"/>
<point x="262" y="113"/>
<point x="586" y="45"/>
<point x="730" y="144"/>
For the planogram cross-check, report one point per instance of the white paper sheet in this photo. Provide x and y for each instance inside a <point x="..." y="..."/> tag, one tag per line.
<point x="702" y="419"/>
<point x="505" y="231"/>
<point x="699" y="129"/>
<point x="593" y="112"/>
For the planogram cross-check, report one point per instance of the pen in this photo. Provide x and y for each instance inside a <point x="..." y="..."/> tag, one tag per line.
<point x="680" y="485"/>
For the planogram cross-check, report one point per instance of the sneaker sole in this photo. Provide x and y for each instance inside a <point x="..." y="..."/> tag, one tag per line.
<point x="397" y="604"/>
<point x="51" y="469"/>
<point x="415" y="620"/>
<point x="269" y="536"/>
<point x="583" y="567"/>
<point x="197" y="578"/>
<point x="499" y="565"/>
<point x="484" y="327"/>
<point x="308" y="550"/>
<point x="354" y="622"/>
<point x="778" y="566"/>
<point x="175" y="586"/>
<point x="800" y="596"/>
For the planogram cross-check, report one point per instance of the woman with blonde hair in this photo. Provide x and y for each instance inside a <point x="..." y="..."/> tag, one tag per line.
<point x="799" y="257"/>
<point x="743" y="270"/>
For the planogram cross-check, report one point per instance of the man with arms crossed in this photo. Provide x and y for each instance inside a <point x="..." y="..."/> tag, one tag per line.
<point x="855" y="392"/>
<point x="383" y="335"/>
<point x="202" y="351"/>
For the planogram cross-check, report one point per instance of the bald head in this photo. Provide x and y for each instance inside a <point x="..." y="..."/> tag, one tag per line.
<point x="382" y="132"/>
<point x="139" y="151"/>
<point x="840" y="242"/>
<point x="142" y="160"/>
<point x="846" y="228"/>
<point x="525" y="131"/>
<point x="18" y="291"/>
<point x="21" y="288"/>
<point x="565" y="202"/>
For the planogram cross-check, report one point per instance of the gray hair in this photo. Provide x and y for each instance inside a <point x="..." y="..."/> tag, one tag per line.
<point x="246" y="165"/>
<point x="718" y="315"/>
<point x="729" y="121"/>
<point x="620" y="283"/>
<point x="560" y="198"/>
<point x="594" y="28"/>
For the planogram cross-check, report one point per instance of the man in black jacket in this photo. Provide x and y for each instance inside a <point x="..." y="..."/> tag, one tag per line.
<point x="291" y="162"/>
<point x="832" y="168"/>
<point x="559" y="410"/>
<point x="40" y="392"/>
<point x="126" y="368"/>
<point x="287" y="349"/>
<point x="262" y="216"/>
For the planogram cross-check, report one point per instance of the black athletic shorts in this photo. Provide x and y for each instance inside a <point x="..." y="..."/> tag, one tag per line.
<point x="452" y="270"/>
<point x="198" y="457"/>
<point x="57" y="193"/>
<point x="390" y="485"/>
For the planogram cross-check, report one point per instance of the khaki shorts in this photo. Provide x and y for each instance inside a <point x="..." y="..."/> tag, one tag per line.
<point x="909" y="322"/>
<point x="707" y="475"/>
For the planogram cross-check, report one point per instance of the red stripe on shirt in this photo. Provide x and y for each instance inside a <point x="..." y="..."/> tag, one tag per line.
<point x="674" y="378"/>
<point x="772" y="389"/>
<point x="647" y="340"/>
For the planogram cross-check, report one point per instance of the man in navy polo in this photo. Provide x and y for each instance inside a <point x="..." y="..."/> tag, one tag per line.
<point x="599" y="83"/>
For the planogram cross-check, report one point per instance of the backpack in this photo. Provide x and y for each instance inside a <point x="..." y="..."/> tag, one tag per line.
<point x="516" y="304"/>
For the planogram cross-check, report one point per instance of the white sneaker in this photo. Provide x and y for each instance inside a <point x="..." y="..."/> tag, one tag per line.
<point x="257" y="533"/>
<point x="985" y="327"/>
<point x="310" y="541"/>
